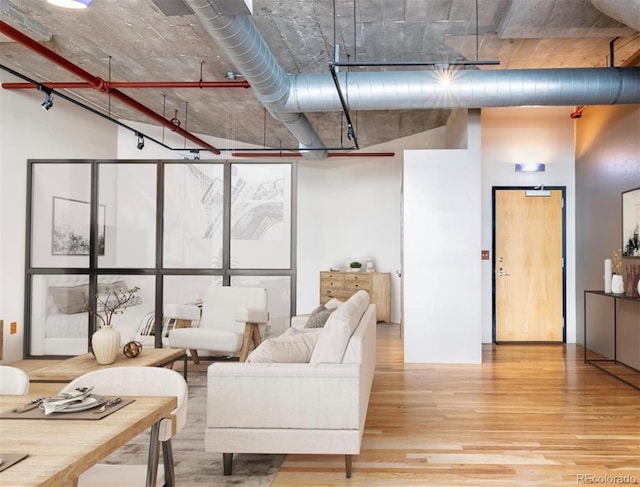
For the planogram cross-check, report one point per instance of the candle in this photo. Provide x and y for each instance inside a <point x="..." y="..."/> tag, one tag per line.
<point x="607" y="275"/>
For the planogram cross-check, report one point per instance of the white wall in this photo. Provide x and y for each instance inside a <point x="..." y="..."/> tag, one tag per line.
<point x="536" y="134"/>
<point x="29" y="132"/>
<point x="442" y="235"/>
<point x="347" y="210"/>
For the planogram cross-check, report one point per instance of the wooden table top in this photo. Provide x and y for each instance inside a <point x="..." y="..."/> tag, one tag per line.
<point x="60" y="450"/>
<point x="69" y="369"/>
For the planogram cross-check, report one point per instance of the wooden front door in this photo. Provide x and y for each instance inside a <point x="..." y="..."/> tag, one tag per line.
<point x="528" y="266"/>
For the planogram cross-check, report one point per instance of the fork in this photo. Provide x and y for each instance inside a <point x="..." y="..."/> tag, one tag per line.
<point x="104" y="407"/>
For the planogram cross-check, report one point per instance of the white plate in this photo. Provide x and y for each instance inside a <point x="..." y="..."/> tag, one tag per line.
<point x="91" y="401"/>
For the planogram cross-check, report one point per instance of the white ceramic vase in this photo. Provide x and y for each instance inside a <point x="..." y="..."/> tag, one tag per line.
<point x="617" y="284"/>
<point x="105" y="344"/>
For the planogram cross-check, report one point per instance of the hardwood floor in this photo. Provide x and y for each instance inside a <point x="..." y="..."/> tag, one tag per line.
<point x="529" y="415"/>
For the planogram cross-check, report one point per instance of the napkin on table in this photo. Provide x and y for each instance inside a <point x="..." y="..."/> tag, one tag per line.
<point x="56" y="404"/>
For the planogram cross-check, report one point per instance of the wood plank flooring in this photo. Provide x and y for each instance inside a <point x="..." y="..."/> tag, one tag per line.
<point x="529" y="415"/>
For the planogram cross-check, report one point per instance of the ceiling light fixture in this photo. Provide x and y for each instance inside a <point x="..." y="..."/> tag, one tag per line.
<point x="530" y="167"/>
<point x="70" y="3"/>
<point x="140" y="145"/>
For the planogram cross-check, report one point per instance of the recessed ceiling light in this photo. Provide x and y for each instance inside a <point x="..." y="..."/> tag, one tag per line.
<point x="70" y="3"/>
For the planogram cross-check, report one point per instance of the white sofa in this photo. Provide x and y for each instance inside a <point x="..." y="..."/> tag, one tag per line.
<point x="317" y="407"/>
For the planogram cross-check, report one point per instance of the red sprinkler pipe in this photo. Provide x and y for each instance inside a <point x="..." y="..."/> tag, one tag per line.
<point x="98" y="83"/>
<point x="132" y="84"/>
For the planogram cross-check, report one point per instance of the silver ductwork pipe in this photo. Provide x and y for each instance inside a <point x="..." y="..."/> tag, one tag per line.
<point x="245" y="47"/>
<point x="418" y="90"/>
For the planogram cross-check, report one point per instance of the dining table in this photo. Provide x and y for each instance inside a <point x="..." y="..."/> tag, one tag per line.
<point x="59" y="449"/>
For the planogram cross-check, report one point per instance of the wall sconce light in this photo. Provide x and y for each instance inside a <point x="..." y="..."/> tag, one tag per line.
<point x="530" y="167"/>
<point x="140" y="145"/>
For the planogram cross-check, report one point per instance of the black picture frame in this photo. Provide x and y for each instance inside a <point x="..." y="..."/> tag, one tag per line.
<point x="70" y="227"/>
<point x="631" y="223"/>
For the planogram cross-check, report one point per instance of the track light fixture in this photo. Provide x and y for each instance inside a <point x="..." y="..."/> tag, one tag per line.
<point x="140" y="145"/>
<point x="350" y="132"/>
<point x="196" y="154"/>
<point x="48" y="99"/>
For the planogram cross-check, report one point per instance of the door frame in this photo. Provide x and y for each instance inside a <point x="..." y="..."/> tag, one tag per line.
<point x="495" y="189"/>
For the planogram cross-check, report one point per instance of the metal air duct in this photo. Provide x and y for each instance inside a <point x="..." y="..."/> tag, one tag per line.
<point x="240" y="40"/>
<point x="417" y="90"/>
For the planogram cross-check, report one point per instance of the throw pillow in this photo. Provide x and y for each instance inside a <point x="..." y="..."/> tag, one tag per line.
<point x="292" y="347"/>
<point x="318" y="319"/>
<point x="70" y="299"/>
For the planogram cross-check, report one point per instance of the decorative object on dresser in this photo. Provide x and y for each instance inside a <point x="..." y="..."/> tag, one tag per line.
<point x="342" y="285"/>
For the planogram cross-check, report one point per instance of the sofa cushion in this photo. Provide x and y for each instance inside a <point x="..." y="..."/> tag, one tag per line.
<point x="318" y="318"/>
<point x="293" y="346"/>
<point x="334" y="337"/>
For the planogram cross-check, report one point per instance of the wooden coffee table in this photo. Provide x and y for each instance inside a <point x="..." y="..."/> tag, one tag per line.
<point x="69" y="369"/>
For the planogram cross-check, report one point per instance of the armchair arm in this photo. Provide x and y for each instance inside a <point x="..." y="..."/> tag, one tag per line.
<point x="252" y="315"/>
<point x="182" y="311"/>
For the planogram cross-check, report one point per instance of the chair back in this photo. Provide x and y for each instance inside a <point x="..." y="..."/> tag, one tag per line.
<point x="139" y="381"/>
<point x="220" y="303"/>
<point x="13" y="380"/>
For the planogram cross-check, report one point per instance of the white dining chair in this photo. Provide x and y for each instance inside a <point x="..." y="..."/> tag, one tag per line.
<point x="13" y="380"/>
<point x="137" y="381"/>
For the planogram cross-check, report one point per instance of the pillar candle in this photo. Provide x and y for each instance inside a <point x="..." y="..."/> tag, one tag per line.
<point x="607" y="275"/>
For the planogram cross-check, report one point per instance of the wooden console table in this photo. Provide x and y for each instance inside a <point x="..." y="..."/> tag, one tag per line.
<point x="614" y="360"/>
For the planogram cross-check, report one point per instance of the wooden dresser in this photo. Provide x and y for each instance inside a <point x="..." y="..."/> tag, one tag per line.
<point x="341" y="285"/>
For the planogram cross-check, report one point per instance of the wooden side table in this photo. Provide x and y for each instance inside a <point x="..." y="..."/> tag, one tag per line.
<point x="251" y="334"/>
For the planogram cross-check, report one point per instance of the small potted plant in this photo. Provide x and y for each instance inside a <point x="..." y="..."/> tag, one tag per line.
<point x="355" y="266"/>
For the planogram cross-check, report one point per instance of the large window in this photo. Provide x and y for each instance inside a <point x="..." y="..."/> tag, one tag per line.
<point x="171" y="228"/>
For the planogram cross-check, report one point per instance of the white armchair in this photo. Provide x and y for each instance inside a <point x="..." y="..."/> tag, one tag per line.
<point x="230" y="321"/>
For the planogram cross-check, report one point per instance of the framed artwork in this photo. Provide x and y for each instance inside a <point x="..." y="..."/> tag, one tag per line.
<point x="70" y="232"/>
<point x="631" y="223"/>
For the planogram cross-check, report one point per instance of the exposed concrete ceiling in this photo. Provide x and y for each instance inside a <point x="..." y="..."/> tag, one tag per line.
<point x="162" y="40"/>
